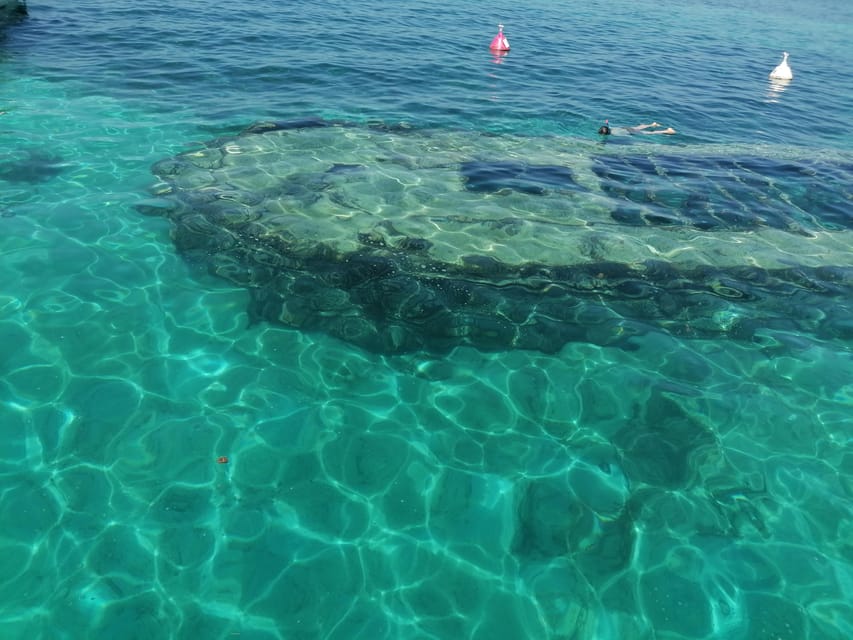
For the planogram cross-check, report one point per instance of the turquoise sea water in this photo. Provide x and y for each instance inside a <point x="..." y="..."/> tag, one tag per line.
<point x="668" y="457"/>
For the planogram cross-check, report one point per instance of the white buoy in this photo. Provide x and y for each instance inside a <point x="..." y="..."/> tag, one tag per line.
<point x="783" y="71"/>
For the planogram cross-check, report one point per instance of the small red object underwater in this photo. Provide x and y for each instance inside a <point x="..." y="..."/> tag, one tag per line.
<point x="222" y="459"/>
<point x="499" y="42"/>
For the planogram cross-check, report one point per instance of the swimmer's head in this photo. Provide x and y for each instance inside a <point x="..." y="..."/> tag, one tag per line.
<point x="604" y="130"/>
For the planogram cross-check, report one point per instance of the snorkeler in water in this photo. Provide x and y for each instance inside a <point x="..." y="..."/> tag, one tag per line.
<point x="605" y="129"/>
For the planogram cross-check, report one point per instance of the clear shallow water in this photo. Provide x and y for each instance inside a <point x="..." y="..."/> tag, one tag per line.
<point x="690" y="486"/>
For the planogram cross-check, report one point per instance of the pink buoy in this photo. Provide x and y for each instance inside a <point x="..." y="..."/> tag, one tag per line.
<point x="499" y="42"/>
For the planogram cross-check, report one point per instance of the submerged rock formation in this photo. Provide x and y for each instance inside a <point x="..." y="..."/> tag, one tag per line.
<point x="398" y="239"/>
<point x="11" y="9"/>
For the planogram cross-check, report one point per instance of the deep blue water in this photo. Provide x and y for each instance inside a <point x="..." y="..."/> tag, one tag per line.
<point x="645" y="436"/>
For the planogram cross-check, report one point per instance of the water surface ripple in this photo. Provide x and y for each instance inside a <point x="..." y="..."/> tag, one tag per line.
<point x="634" y="422"/>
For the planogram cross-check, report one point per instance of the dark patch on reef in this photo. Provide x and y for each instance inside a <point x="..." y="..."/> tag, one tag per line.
<point x="727" y="193"/>
<point x="31" y="166"/>
<point x="384" y="287"/>
<point x="10" y="11"/>
<point x="497" y="177"/>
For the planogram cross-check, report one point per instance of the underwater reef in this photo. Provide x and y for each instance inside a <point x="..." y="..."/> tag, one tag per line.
<point x="397" y="239"/>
